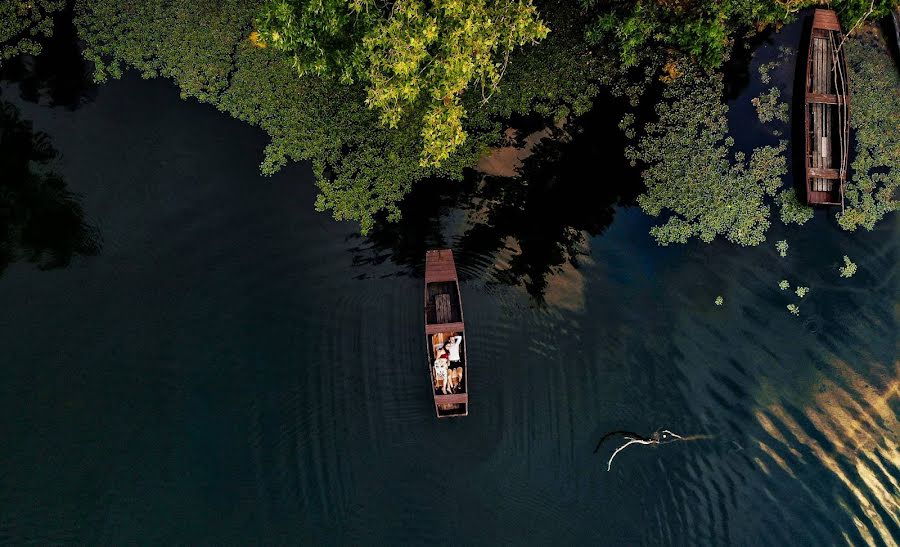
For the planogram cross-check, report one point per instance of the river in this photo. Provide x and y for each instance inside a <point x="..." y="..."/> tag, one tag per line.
<point x="223" y="365"/>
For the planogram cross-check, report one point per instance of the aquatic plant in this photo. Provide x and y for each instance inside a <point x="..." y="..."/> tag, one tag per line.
<point x="719" y="301"/>
<point x="849" y="267"/>
<point x="792" y="210"/>
<point x="784" y="285"/>
<point x="802" y="291"/>
<point x="782" y="247"/>
<point x="794" y="309"/>
<point x="692" y="173"/>
<point x="24" y="24"/>
<point x="873" y="191"/>
<point x="769" y="106"/>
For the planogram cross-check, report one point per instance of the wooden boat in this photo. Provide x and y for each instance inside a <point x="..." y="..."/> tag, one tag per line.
<point x="445" y="335"/>
<point x="827" y="115"/>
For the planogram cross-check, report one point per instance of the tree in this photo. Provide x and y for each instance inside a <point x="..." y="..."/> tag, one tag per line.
<point x="363" y="168"/>
<point x="703" y="29"/>
<point x="412" y="55"/>
<point x="23" y="23"/>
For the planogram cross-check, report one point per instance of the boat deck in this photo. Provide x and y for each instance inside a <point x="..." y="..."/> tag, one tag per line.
<point x="827" y="126"/>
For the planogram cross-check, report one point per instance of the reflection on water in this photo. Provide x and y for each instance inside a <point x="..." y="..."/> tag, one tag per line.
<point x="59" y="76"/>
<point x="529" y="230"/>
<point x="850" y="427"/>
<point x="40" y="220"/>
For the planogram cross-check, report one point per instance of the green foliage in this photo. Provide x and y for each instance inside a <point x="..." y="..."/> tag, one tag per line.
<point x="784" y="285"/>
<point x="413" y="53"/>
<point x="782" y="247"/>
<point x="794" y="309"/>
<point x="719" y="301"/>
<point x="792" y="210"/>
<point x="875" y="116"/>
<point x="363" y="168"/>
<point x="703" y="29"/>
<point x="769" y="106"/>
<point x="802" y="291"/>
<point x="23" y="23"/>
<point x="849" y="268"/>
<point x="690" y="173"/>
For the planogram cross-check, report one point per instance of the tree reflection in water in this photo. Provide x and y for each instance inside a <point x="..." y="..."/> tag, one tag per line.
<point x="520" y="230"/>
<point x="40" y="220"/>
<point x="59" y="76"/>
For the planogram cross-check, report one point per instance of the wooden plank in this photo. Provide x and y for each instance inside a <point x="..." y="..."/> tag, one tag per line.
<point x="442" y="308"/>
<point x="826" y="19"/>
<point x="444" y="327"/>
<point x="454" y="398"/>
<point x="825" y="173"/>
<point x="824" y="98"/>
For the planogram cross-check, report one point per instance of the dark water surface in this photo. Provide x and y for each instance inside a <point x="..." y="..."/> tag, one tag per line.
<point x="234" y="368"/>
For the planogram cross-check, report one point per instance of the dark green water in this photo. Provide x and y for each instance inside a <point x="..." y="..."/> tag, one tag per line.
<point x="233" y="368"/>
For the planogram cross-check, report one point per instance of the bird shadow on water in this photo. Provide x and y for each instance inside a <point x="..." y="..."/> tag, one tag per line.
<point x="517" y="230"/>
<point x="40" y="219"/>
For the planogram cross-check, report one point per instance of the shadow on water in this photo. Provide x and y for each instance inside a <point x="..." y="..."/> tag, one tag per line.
<point x="519" y="230"/>
<point x="41" y="221"/>
<point x="59" y="76"/>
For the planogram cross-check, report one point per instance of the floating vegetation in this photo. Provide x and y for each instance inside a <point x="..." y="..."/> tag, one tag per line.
<point x="719" y="301"/>
<point x="782" y="247"/>
<point x="794" y="309"/>
<point x="792" y="210"/>
<point x="769" y="106"/>
<point x="849" y="267"/>
<point x="784" y="285"/>
<point x="873" y="191"/>
<point x="802" y="291"/>
<point x="691" y="171"/>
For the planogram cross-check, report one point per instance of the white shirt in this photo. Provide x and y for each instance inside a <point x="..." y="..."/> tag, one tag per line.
<point x="454" y="348"/>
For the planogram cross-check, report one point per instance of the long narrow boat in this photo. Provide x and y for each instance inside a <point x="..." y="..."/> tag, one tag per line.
<point x="445" y="335"/>
<point x="827" y="112"/>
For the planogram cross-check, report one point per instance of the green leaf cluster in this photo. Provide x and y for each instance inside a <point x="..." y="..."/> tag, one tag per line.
<point x="703" y="29"/>
<point x="792" y="210"/>
<point x="873" y="191"/>
<point x="769" y="106"/>
<point x="692" y="173"/>
<point x="849" y="268"/>
<point x="782" y="247"/>
<point x="23" y="23"/>
<point x="363" y="168"/>
<point x="415" y="57"/>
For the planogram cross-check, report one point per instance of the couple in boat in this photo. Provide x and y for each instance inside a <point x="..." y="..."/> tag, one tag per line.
<point x="447" y="367"/>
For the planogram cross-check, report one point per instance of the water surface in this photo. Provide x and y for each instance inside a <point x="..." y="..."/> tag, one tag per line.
<point x="233" y="367"/>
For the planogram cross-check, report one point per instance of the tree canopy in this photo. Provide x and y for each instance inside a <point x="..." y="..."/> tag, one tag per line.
<point x="414" y="56"/>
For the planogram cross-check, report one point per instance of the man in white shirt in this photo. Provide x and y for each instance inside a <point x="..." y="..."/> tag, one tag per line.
<point x="452" y="347"/>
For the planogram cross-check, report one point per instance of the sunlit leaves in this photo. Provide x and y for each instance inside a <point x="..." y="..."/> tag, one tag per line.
<point x="408" y="52"/>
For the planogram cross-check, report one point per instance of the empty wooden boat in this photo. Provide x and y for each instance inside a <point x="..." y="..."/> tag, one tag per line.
<point x="445" y="335"/>
<point x="827" y="115"/>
